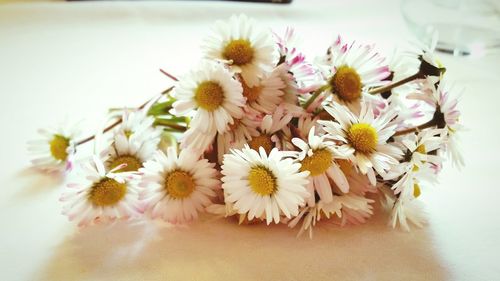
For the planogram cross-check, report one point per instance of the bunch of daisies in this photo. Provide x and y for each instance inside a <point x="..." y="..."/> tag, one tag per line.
<point x="259" y="132"/>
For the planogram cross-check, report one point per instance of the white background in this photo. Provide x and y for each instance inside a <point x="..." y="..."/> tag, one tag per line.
<point x="75" y="60"/>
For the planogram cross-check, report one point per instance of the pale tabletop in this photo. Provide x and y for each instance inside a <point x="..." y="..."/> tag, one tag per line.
<point x="75" y="60"/>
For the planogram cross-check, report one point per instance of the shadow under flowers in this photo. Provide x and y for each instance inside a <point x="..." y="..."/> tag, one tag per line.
<point x="222" y="250"/>
<point x="36" y="182"/>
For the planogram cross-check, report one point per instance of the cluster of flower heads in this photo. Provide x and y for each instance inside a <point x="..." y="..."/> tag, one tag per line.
<point x="259" y="132"/>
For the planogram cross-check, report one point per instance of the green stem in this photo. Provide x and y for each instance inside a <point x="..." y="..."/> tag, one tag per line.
<point x="169" y="75"/>
<point x="170" y="124"/>
<point x="391" y="86"/>
<point x="314" y="96"/>
<point x="119" y="120"/>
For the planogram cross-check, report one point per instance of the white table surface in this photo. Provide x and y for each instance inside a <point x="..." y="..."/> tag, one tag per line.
<point x="75" y="60"/>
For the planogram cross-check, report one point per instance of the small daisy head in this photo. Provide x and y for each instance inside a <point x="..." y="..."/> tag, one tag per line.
<point x="273" y="132"/>
<point x="401" y="65"/>
<point x="308" y="121"/>
<point x="430" y="65"/>
<point x="54" y="151"/>
<point x="441" y="96"/>
<point x="352" y="68"/>
<point x="317" y="156"/>
<point x="178" y="187"/>
<point x="421" y="148"/>
<point x="240" y="133"/>
<point x="447" y="113"/>
<point x="443" y="100"/>
<point x="349" y="208"/>
<point x="287" y="44"/>
<point x="243" y="46"/>
<point x="266" y="95"/>
<point x="364" y="138"/>
<point x="301" y="73"/>
<point x="215" y="95"/>
<point x="138" y="126"/>
<point x="263" y="140"/>
<point x="263" y="186"/>
<point x="100" y="196"/>
<point x="129" y="152"/>
<point x="403" y="210"/>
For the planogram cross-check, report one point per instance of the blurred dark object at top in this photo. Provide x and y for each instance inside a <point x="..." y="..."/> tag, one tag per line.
<point x="253" y="1"/>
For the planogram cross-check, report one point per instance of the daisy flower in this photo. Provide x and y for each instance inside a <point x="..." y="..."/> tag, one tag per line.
<point x="243" y="46"/>
<point x="262" y="185"/>
<point x="445" y="113"/>
<point x="409" y="184"/>
<point x="217" y="98"/>
<point x="364" y="138"/>
<point x="266" y="95"/>
<point x="290" y="98"/>
<point x="420" y="145"/>
<point x="309" y="216"/>
<point x="306" y="122"/>
<point x="420" y="167"/>
<point x="401" y="66"/>
<point x="325" y="176"/>
<point x="137" y="125"/>
<point x="348" y="207"/>
<point x="418" y="164"/>
<point x="101" y="196"/>
<point x="299" y="75"/>
<point x="273" y="132"/>
<point x="240" y="133"/>
<point x="402" y="210"/>
<point x="55" y="150"/>
<point x="178" y="187"/>
<point x="358" y="213"/>
<point x="430" y="65"/>
<point x="133" y="152"/>
<point x="353" y="68"/>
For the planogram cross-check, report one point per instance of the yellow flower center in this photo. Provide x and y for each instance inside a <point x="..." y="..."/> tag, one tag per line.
<point x="133" y="164"/>
<point x="346" y="83"/>
<point x="317" y="163"/>
<point x="261" y="141"/>
<point x="252" y="94"/>
<point x="58" y="147"/>
<point x="128" y="133"/>
<point x="179" y="184"/>
<point x="421" y="149"/>
<point x="415" y="168"/>
<point x="107" y="192"/>
<point x="240" y="51"/>
<point x="262" y="181"/>
<point x="363" y="137"/>
<point x="416" y="190"/>
<point x="209" y="95"/>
